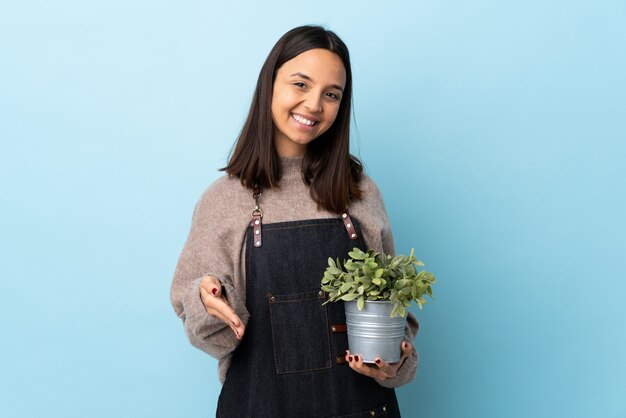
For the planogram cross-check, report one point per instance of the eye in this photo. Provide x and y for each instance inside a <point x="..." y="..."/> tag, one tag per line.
<point x="299" y="84"/>
<point x="332" y="95"/>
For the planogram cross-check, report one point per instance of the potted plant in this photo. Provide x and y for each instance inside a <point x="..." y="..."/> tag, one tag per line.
<point x="376" y="290"/>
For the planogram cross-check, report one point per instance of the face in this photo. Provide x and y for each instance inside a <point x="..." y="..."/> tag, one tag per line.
<point x="307" y="92"/>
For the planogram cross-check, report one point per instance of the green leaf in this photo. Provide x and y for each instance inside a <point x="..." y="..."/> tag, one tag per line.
<point x="401" y="284"/>
<point x="395" y="263"/>
<point x="334" y="270"/>
<point x="357" y="254"/>
<point x="349" y="297"/>
<point x="379" y="273"/>
<point x="361" y="303"/>
<point x="345" y="287"/>
<point x="331" y="262"/>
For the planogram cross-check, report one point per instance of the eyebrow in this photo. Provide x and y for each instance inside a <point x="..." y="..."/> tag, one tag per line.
<point x="306" y="77"/>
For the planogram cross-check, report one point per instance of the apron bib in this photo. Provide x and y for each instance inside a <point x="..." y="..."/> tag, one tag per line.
<point x="290" y="362"/>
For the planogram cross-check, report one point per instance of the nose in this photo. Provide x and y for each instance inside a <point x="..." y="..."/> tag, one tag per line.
<point x="313" y="102"/>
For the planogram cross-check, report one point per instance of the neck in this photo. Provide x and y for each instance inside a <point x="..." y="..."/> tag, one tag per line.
<point x="288" y="148"/>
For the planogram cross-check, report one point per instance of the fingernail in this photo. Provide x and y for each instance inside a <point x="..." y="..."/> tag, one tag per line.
<point x="377" y="361"/>
<point x="346" y="352"/>
<point x="214" y="291"/>
<point x="351" y="358"/>
<point x="356" y="358"/>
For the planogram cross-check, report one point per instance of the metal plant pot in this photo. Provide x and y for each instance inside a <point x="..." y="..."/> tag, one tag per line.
<point x="372" y="333"/>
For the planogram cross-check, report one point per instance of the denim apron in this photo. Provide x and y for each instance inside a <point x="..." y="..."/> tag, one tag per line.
<point x="290" y="362"/>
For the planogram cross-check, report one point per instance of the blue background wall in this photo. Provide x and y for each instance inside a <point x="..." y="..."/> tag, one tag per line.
<point x="495" y="130"/>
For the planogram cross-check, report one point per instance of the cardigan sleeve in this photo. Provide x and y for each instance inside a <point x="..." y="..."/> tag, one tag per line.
<point x="206" y="252"/>
<point x="406" y="372"/>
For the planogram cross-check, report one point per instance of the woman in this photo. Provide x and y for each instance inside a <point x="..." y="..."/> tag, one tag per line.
<point x="247" y="284"/>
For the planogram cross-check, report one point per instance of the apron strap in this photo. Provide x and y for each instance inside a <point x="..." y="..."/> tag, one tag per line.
<point x="349" y="226"/>
<point x="257" y="216"/>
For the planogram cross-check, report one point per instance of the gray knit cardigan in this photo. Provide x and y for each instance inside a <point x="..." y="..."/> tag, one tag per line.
<point x="215" y="246"/>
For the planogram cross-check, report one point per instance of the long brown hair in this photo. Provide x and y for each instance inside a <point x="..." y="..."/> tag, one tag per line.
<point x="327" y="167"/>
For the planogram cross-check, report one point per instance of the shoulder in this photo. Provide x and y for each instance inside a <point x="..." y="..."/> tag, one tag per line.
<point x="371" y="203"/>
<point x="225" y="186"/>
<point x="225" y="197"/>
<point x="371" y="194"/>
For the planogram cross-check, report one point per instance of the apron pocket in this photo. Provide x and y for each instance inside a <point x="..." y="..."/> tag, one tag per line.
<point x="300" y="332"/>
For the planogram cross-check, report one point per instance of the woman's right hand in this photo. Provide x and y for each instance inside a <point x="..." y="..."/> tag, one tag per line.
<point x="217" y="305"/>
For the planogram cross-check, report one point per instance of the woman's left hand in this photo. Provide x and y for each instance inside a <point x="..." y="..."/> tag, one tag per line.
<point x="381" y="370"/>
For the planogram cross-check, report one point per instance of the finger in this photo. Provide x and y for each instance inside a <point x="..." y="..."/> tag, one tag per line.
<point x="225" y="309"/>
<point x="407" y="349"/>
<point x="391" y="369"/>
<point x="220" y="308"/>
<point x="356" y="364"/>
<point x="218" y="296"/>
<point x="387" y="369"/>
<point x="212" y="285"/>
<point x="211" y="306"/>
<point x="221" y="305"/>
<point x="237" y="329"/>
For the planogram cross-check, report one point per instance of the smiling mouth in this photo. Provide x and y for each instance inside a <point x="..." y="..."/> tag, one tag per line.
<point x="304" y="121"/>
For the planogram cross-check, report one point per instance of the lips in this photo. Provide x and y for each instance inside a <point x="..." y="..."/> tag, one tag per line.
<point x="303" y="120"/>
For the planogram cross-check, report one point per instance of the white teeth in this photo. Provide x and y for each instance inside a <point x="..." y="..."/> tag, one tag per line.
<point x="303" y="120"/>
